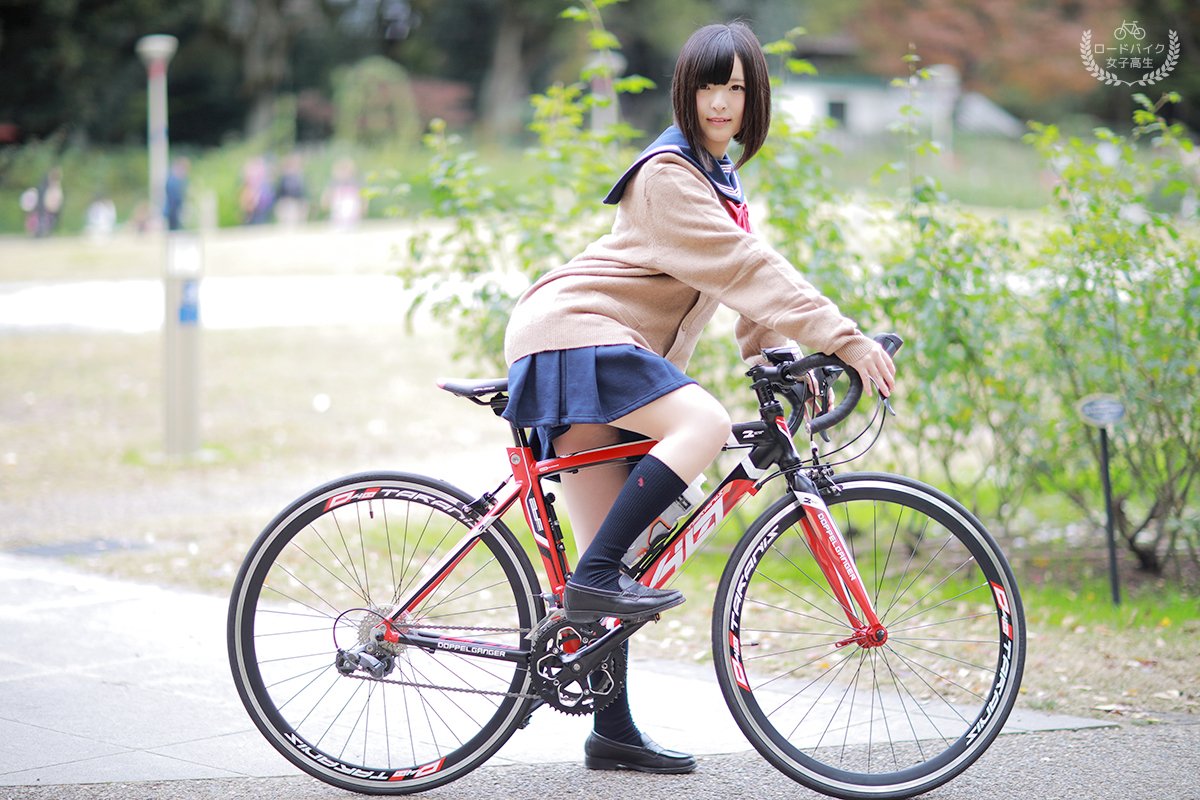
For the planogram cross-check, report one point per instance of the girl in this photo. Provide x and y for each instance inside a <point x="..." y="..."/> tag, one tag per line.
<point x="597" y="347"/>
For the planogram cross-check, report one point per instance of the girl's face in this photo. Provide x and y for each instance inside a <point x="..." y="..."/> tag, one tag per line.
<point x="719" y="108"/>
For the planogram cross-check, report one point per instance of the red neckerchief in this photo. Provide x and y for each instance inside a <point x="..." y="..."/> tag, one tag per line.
<point x="740" y="213"/>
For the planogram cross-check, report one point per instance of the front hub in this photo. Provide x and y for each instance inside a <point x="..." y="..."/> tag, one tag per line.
<point x="866" y="637"/>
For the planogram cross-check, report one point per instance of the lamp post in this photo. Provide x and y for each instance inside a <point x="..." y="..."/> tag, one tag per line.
<point x="155" y="52"/>
<point x="183" y="266"/>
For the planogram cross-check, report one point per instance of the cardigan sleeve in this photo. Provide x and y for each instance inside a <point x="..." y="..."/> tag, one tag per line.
<point x="691" y="238"/>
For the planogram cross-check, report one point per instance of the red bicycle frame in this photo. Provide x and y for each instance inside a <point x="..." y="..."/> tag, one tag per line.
<point x="666" y="557"/>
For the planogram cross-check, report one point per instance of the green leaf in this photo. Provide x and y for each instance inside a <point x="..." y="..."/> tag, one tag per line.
<point x="600" y="39"/>
<point x="801" y="66"/>
<point x="633" y="84"/>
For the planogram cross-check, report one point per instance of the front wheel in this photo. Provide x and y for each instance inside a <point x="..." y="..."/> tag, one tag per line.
<point x="319" y="580"/>
<point x="885" y="721"/>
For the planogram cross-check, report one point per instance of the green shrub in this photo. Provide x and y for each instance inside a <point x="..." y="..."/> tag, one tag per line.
<point x="1119" y="289"/>
<point x="374" y="104"/>
<point x="484" y="238"/>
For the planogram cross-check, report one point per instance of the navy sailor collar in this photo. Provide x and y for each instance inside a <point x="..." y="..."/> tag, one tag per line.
<point x="722" y="176"/>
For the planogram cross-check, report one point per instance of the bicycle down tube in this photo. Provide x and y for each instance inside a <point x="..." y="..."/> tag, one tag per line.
<point x="769" y="445"/>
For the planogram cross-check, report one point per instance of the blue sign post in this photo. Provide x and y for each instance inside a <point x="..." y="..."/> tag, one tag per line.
<point x="181" y="342"/>
<point x="1101" y="411"/>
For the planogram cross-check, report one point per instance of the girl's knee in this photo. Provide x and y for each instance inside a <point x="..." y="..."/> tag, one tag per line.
<point x="712" y="425"/>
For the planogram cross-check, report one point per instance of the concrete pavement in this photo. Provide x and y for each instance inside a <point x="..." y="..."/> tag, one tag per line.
<point x="106" y="681"/>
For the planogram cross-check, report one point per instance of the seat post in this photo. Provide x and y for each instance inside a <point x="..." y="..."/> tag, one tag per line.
<point x="519" y="437"/>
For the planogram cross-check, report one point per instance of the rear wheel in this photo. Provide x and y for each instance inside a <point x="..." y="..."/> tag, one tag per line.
<point x="322" y="576"/>
<point x="885" y="721"/>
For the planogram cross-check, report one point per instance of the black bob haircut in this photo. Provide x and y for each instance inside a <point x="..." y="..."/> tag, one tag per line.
<point x="707" y="57"/>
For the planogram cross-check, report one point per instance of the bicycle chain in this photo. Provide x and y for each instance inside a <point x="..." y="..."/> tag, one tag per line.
<point x="435" y="687"/>
<point x="522" y="631"/>
<point x="462" y="689"/>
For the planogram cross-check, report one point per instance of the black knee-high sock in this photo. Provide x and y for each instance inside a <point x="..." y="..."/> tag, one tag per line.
<point x="650" y="488"/>
<point x="615" y="721"/>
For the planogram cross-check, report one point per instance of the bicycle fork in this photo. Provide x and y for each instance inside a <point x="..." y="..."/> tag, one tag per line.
<point x="836" y="561"/>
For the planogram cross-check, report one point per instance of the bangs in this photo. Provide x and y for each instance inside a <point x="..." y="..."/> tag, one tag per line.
<point x="714" y="61"/>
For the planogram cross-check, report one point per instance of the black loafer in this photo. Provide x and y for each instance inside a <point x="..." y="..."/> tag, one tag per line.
<point x="634" y="603"/>
<point x="602" y="753"/>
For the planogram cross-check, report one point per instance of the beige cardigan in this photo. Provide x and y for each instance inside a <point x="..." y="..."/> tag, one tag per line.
<point x="673" y="254"/>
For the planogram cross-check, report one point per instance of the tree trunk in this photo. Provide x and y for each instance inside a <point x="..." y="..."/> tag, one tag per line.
<point x="263" y="31"/>
<point x="506" y="88"/>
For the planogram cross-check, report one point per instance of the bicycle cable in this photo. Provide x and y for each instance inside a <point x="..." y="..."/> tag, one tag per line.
<point x="870" y="424"/>
<point x="812" y="463"/>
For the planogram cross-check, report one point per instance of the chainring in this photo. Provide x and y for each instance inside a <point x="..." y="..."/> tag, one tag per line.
<point x="573" y="694"/>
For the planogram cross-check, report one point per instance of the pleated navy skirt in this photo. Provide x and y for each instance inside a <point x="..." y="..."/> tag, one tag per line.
<point x="548" y="392"/>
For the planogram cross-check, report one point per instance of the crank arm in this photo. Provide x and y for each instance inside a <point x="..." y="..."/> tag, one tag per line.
<point x="587" y="658"/>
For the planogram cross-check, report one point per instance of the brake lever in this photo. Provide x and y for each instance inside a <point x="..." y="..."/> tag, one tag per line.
<point x="825" y="378"/>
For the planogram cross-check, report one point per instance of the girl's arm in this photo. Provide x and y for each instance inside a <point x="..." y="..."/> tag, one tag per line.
<point x="689" y="236"/>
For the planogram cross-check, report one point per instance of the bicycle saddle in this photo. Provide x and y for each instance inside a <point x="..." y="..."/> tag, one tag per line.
<point x="467" y="388"/>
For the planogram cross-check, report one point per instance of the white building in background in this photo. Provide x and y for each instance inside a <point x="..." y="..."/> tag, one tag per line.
<point x="866" y="106"/>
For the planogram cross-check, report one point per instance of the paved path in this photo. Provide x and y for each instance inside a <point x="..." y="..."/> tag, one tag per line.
<point x="225" y="303"/>
<point x="105" y="681"/>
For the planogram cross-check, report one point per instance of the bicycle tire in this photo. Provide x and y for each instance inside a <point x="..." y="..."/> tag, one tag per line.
<point x="318" y="577"/>
<point x="883" y="722"/>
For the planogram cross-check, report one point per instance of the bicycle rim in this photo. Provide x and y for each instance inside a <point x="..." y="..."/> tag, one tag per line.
<point x="880" y="722"/>
<point x="321" y="576"/>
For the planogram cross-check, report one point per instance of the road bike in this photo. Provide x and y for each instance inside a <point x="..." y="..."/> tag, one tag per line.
<point x="388" y="633"/>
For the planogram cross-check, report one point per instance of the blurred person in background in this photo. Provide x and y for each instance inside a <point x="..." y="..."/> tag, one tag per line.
<point x="344" y="197"/>
<point x="257" y="196"/>
<point x="101" y="218"/>
<point x="48" y="203"/>
<point x="177" y="184"/>
<point x="291" y="194"/>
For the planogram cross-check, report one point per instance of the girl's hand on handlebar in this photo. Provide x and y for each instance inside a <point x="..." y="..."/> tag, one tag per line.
<point x="876" y="370"/>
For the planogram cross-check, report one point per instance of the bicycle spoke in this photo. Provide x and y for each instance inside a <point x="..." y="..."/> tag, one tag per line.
<point x="841" y="713"/>
<point x="316" y="602"/>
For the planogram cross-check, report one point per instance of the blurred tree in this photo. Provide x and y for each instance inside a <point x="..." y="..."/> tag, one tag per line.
<point x="70" y="65"/>
<point x="521" y="37"/>
<point x="263" y="32"/>
<point x="1022" y="53"/>
<point x="374" y="102"/>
